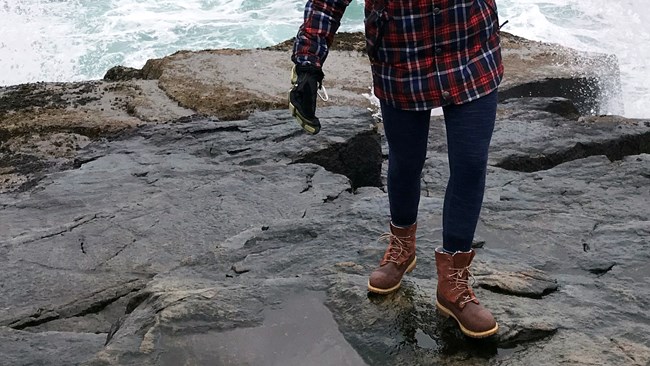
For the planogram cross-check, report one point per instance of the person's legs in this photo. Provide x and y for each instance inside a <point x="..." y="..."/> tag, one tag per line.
<point x="407" y="135"/>
<point x="469" y="131"/>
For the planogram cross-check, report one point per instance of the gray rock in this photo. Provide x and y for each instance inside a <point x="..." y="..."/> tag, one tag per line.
<point x="121" y="73"/>
<point x="528" y="282"/>
<point x="48" y="348"/>
<point x="209" y="241"/>
<point x="556" y="105"/>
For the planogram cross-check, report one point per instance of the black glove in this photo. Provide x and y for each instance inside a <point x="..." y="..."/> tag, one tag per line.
<point x="306" y="80"/>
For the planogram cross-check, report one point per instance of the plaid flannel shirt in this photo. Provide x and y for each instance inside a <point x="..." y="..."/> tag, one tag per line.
<point x="424" y="53"/>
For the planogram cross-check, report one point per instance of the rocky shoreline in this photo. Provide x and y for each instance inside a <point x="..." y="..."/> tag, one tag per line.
<point x="176" y="215"/>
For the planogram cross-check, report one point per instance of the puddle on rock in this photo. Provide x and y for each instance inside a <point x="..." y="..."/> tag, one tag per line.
<point x="423" y="340"/>
<point x="300" y="331"/>
<point x="416" y="325"/>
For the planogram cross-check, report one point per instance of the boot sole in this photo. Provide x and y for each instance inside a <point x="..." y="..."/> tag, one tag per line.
<point x="448" y="313"/>
<point x="386" y="291"/>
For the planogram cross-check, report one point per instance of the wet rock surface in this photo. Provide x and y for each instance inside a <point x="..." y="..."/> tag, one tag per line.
<point x="225" y="242"/>
<point x="43" y="126"/>
<point x="175" y="238"/>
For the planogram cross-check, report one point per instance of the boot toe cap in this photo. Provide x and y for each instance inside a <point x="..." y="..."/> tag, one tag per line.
<point x="380" y="282"/>
<point x="479" y="320"/>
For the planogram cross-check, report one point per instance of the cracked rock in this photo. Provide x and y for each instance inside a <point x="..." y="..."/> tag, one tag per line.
<point x="527" y="282"/>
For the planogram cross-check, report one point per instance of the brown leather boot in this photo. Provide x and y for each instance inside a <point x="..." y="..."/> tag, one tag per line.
<point x="455" y="297"/>
<point x="398" y="259"/>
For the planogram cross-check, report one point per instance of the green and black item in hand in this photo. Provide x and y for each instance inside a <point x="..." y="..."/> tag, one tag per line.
<point x="307" y="80"/>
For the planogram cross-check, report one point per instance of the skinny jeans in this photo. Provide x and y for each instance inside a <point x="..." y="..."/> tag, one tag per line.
<point x="469" y="129"/>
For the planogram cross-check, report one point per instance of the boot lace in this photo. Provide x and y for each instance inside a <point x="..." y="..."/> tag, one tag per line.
<point x="396" y="247"/>
<point x="461" y="280"/>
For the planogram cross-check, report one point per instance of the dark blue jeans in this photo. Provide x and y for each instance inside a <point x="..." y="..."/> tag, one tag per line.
<point x="469" y="131"/>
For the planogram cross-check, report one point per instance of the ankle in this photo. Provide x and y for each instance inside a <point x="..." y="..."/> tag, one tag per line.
<point x="451" y="250"/>
<point x="400" y="226"/>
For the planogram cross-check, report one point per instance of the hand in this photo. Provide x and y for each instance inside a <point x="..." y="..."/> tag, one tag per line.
<point x="306" y="81"/>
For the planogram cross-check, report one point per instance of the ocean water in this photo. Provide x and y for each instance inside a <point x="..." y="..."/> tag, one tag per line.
<point x="71" y="40"/>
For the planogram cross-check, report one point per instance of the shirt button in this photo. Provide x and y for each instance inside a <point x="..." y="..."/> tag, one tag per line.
<point x="436" y="11"/>
<point x="438" y="51"/>
<point x="446" y="94"/>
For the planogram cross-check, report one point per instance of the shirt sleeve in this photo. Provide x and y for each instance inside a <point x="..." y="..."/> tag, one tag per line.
<point x="315" y="36"/>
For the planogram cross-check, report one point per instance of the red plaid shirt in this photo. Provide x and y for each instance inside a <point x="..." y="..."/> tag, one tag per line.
<point x="424" y="53"/>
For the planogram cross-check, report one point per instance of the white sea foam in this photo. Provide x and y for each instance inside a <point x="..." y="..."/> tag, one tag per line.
<point x="67" y="40"/>
<point x="37" y="42"/>
<point x="54" y="40"/>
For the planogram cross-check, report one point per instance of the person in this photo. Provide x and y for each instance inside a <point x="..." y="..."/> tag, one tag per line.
<point x="424" y="54"/>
